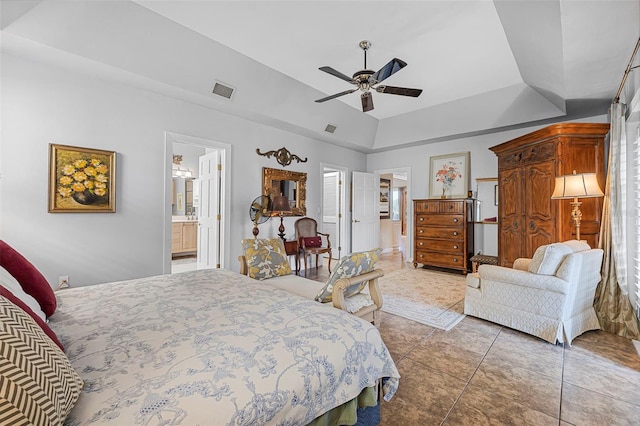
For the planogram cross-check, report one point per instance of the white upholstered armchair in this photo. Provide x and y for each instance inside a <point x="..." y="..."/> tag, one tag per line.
<point x="549" y="296"/>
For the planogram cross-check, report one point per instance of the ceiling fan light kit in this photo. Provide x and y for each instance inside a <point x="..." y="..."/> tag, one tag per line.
<point x="366" y="80"/>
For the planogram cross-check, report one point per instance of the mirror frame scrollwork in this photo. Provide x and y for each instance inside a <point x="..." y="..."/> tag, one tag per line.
<point x="270" y="175"/>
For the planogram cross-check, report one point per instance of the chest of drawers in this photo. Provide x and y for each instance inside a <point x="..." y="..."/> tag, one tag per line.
<point x="443" y="237"/>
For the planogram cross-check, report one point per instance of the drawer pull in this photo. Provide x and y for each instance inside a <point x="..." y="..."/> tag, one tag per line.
<point x="421" y="231"/>
<point x="455" y="247"/>
<point x="421" y="219"/>
<point x="420" y="243"/>
<point x="455" y="220"/>
<point x="455" y="259"/>
<point x="421" y="256"/>
<point x="455" y="232"/>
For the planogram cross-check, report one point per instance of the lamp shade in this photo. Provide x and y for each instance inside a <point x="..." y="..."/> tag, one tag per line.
<point x="281" y="204"/>
<point x="582" y="185"/>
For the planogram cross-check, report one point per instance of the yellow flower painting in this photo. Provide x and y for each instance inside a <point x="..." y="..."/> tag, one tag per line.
<point x="81" y="180"/>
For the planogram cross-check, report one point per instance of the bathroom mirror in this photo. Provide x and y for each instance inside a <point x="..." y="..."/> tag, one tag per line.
<point x="292" y="185"/>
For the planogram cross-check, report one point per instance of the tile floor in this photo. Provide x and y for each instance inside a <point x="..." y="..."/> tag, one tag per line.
<point x="480" y="373"/>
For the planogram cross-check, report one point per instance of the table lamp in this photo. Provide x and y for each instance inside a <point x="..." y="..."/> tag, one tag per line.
<point x="281" y="205"/>
<point x="581" y="185"/>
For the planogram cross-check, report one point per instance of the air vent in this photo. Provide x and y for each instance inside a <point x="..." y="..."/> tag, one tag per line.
<point x="223" y="90"/>
<point x="330" y="128"/>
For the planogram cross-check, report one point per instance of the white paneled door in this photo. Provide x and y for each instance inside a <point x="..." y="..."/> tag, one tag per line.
<point x="209" y="212"/>
<point x="365" y="217"/>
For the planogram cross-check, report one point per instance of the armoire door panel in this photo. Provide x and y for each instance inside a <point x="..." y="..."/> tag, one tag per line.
<point x="539" y="187"/>
<point x="510" y="188"/>
<point x="510" y="245"/>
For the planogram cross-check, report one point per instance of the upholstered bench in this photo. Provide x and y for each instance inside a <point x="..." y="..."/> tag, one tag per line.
<point x="353" y="284"/>
<point x="482" y="259"/>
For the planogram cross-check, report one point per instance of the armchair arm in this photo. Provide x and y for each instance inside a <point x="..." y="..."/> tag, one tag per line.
<point x="522" y="278"/>
<point x="328" y="240"/>
<point x="244" y="269"/>
<point x="374" y="289"/>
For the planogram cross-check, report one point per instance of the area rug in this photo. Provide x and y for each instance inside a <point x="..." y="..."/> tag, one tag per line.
<point x="429" y="297"/>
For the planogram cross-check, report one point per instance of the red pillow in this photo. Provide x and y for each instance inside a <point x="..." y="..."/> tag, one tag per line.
<point x="312" y="242"/>
<point x="20" y="304"/>
<point x="31" y="280"/>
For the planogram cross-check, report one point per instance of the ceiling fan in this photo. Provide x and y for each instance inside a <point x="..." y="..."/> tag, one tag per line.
<point x="366" y="80"/>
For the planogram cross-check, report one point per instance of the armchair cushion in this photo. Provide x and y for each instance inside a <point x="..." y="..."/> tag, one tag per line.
<point x="266" y="257"/>
<point x="547" y="258"/>
<point x="577" y="246"/>
<point x="312" y="241"/>
<point x="350" y="266"/>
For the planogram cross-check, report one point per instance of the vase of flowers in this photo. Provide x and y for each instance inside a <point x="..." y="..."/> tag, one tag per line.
<point x="84" y="180"/>
<point x="447" y="174"/>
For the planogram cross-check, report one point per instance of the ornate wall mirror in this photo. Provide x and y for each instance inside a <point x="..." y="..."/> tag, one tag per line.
<point x="292" y="185"/>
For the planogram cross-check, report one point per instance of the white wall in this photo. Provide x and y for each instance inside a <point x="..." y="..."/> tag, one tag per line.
<point x="484" y="162"/>
<point x="43" y="103"/>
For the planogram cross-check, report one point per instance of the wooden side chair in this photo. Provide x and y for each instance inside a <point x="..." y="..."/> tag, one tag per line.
<point x="310" y="241"/>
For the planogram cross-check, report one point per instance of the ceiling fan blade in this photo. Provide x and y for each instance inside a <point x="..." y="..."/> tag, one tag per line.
<point x="388" y="70"/>
<point x="404" y="91"/>
<point x="367" y="101"/>
<point x="346" y="92"/>
<point x="336" y="73"/>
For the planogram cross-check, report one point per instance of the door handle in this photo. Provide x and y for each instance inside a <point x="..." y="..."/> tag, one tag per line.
<point x="356" y="220"/>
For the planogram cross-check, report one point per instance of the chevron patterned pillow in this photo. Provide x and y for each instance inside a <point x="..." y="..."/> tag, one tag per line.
<point x="38" y="385"/>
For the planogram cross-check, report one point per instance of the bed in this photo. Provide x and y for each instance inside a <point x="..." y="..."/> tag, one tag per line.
<point x="214" y="347"/>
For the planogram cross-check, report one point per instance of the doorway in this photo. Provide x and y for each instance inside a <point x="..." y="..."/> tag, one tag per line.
<point x="195" y="203"/>
<point x="334" y="207"/>
<point x="395" y="232"/>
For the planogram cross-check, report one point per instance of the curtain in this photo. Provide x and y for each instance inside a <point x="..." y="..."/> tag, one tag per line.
<point x="611" y="302"/>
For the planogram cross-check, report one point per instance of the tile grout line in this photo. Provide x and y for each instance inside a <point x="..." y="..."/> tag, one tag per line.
<point x="564" y="348"/>
<point x="416" y="345"/>
<point x="470" y="378"/>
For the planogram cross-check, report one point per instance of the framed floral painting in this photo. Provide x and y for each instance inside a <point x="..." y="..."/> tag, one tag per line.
<point x="449" y="175"/>
<point x="81" y="180"/>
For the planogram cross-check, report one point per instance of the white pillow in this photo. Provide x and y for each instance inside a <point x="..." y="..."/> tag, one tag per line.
<point x="7" y="281"/>
<point x="547" y="259"/>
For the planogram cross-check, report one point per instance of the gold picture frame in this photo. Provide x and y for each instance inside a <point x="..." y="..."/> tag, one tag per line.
<point x="292" y="185"/>
<point x="81" y="180"/>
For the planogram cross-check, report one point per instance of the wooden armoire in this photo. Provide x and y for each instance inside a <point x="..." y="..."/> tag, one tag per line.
<point x="527" y="167"/>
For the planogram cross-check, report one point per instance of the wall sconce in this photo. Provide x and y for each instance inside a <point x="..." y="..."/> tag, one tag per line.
<point x="177" y="171"/>
<point x="582" y="185"/>
<point x="281" y="205"/>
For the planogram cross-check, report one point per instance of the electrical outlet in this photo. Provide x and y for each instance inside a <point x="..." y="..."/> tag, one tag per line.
<point x="63" y="281"/>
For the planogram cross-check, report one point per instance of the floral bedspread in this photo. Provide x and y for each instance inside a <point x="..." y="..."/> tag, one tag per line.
<point x="213" y="347"/>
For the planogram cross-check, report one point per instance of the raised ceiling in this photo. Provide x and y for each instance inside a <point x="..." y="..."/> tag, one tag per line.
<point x="482" y="65"/>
